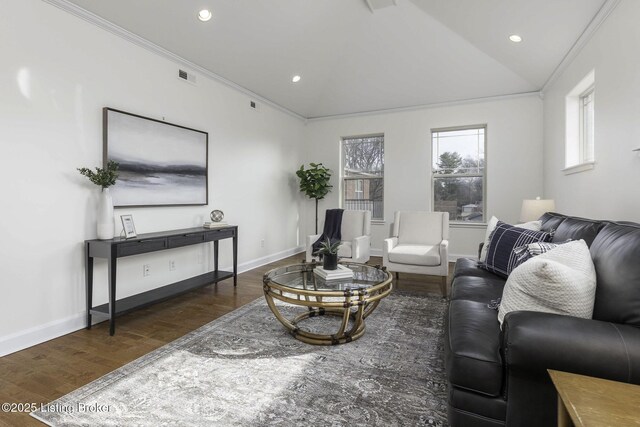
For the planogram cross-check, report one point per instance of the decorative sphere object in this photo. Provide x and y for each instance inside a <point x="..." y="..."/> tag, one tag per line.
<point x="217" y="215"/>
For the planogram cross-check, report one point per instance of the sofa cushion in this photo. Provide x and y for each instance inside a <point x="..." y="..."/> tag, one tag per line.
<point x="576" y="229"/>
<point x="561" y="281"/>
<point x="500" y="256"/>
<point x="471" y="267"/>
<point x="491" y="226"/>
<point x="353" y="225"/>
<point x="526" y="252"/>
<point x="344" y="251"/>
<point x="421" y="228"/>
<point x="550" y="221"/>
<point x="472" y="342"/>
<point x="479" y="289"/>
<point x="616" y="255"/>
<point x="415" y="254"/>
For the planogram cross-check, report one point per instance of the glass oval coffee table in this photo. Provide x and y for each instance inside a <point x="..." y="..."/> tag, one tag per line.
<point x="351" y="299"/>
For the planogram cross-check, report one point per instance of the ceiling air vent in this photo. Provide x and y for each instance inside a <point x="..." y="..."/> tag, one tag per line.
<point x="187" y="77"/>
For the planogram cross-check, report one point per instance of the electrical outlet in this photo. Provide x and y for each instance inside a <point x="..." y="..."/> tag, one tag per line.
<point x="262" y="243"/>
<point x="172" y="265"/>
<point x="146" y="270"/>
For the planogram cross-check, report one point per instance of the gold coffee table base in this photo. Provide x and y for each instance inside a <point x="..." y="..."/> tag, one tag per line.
<point x="351" y="305"/>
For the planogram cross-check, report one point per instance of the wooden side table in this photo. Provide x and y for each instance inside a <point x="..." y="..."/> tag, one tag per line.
<point x="589" y="401"/>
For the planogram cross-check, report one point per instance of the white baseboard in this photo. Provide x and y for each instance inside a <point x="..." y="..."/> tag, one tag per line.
<point x="250" y="265"/>
<point x="42" y="333"/>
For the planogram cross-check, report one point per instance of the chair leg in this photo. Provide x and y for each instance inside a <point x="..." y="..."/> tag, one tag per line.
<point x="443" y="286"/>
<point x="397" y="276"/>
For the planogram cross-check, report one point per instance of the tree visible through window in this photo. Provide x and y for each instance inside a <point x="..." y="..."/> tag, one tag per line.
<point x="363" y="174"/>
<point x="458" y="171"/>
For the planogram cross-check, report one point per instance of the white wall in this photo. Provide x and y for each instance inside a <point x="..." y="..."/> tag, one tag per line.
<point x="610" y="190"/>
<point x="514" y="159"/>
<point x="57" y="72"/>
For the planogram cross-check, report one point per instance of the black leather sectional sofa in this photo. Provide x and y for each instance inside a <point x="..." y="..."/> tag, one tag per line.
<point x="499" y="377"/>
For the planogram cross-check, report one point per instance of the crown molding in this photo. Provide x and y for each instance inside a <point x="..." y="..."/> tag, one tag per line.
<point x="110" y="27"/>
<point x="102" y="23"/>
<point x="427" y="106"/>
<point x="582" y="41"/>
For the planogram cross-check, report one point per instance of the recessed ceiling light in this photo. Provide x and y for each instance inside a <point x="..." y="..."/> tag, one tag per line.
<point x="296" y="78"/>
<point x="204" y="15"/>
<point x="515" y="38"/>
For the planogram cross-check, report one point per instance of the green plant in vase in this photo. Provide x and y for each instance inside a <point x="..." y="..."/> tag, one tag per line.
<point x="329" y="252"/>
<point x="104" y="178"/>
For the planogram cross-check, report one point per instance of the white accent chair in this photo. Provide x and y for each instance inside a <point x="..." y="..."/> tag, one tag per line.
<point x="419" y="244"/>
<point x="356" y="237"/>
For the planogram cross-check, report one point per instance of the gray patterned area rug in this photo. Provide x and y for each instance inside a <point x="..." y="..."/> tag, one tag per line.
<point x="244" y="369"/>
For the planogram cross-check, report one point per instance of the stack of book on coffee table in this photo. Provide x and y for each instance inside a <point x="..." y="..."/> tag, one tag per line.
<point x="341" y="272"/>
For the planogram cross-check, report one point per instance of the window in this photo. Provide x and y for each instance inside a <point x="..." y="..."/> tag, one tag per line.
<point x="359" y="190"/>
<point x="458" y="172"/>
<point x="580" y="126"/>
<point x="587" y="102"/>
<point x="363" y="174"/>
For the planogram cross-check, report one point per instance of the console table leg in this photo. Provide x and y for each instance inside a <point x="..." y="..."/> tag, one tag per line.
<point x="88" y="271"/>
<point x="112" y="263"/>
<point x="215" y="255"/>
<point x="235" y="259"/>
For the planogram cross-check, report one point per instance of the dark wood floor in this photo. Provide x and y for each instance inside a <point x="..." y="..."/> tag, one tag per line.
<point x="52" y="369"/>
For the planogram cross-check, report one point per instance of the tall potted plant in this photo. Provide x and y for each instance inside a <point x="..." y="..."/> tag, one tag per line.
<point x="314" y="182"/>
<point x="104" y="178"/>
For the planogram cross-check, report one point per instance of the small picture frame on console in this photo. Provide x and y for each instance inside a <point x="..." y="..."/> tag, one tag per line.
<point x="128" y="227"/>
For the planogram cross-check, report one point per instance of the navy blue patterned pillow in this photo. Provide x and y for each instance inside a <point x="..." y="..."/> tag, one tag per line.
<point x="501" y="259"/>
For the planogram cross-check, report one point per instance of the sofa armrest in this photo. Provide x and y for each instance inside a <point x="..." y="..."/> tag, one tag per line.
<point x="534" y="342"/>
<point x="310" y="241"/>
<point x="360" y="247"/>
<point x="387" y="245"/>
<point x="444" y="255"/>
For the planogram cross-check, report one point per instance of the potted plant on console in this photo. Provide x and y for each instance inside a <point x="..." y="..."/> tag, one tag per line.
<point x="105" y="178"/>
<point x="329" y="253"/>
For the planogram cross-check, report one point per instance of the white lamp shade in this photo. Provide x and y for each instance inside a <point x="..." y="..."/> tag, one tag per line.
<point x="533" y="209"/>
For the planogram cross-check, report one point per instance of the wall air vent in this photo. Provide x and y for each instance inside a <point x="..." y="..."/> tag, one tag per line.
<point x="187" y="77"/>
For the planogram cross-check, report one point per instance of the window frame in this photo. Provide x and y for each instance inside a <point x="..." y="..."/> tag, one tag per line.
<point x="579" y="151"/>
<point x="483" y="175"/>
<point x="586" y="148"/>
<point x="344" y="179"/>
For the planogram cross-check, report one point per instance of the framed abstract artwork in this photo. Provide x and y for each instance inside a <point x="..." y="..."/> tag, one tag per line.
<point x="160" y="163"/>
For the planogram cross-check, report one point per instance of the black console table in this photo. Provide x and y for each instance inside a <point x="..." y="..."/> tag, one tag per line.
<point x="152" y="242"/>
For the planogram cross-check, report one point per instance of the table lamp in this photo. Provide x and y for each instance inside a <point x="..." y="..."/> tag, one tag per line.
<point x="533" y="209"/>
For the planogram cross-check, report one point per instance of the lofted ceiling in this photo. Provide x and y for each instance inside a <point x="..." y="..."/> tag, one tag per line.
<point x="363" y="55"/>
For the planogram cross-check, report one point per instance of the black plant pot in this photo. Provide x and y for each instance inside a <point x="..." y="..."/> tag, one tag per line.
<point x="330" y="261"/>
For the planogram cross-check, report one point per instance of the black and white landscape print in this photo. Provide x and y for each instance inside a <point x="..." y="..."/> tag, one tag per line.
<point x="160" y="163"/>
